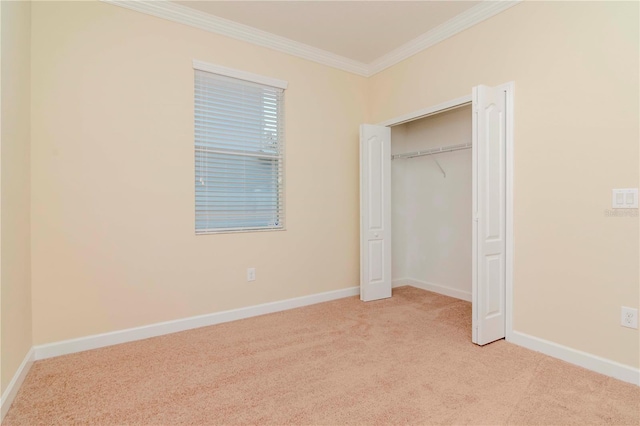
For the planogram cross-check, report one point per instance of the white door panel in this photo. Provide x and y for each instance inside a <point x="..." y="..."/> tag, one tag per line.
<point x="489" y="200"/>
<point x="375" y="212"/>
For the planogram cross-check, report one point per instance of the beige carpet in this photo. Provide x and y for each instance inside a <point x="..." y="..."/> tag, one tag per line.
<point x="404" y="360"/>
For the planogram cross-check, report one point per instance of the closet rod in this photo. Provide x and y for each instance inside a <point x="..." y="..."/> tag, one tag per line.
<point x="432" y="151"/>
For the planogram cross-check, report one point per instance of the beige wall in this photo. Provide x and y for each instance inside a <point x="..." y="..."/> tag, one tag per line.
<point x="431" y="213"/>
<point x="575" y="68"/>
<point x="15" y="268"/>
<point x="113" y="244"/>
<point x="112" y="176"/>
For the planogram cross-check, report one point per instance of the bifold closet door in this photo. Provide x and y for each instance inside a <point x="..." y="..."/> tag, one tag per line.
<point x="375" y="212"/>
<point x="489" y="227"/>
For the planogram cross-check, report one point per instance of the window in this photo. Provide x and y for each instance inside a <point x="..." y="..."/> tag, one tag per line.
<point x="239" y="150"/>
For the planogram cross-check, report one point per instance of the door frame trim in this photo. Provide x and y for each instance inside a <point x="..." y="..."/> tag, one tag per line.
<point x="509" y="91"/>
<point x="509" y="108"/>
<point x="425" y="112"/>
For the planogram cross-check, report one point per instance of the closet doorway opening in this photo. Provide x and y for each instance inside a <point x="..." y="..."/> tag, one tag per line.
<point x="431" y="203"/>
<point x="436" y="205"/>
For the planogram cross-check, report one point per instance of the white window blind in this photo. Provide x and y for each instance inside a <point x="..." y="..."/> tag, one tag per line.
<point x="239" y="154"/>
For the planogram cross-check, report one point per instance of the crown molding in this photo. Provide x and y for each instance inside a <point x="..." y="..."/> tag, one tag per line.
<point x="185" y="15"/>
<point x="204" y="21"/>
<point x="453" y="26"/>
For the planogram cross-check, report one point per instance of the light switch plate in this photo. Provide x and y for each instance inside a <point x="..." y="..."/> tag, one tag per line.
<point x="626" y="198"/>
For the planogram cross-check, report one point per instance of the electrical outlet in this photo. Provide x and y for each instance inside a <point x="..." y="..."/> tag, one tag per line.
<point x="251" y="274"/>
<point x="629" y="317"/>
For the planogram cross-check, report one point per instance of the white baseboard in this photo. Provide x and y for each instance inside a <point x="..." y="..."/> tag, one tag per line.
<point x="573" y="356"/>
<point x="14" y="385"/>
<point x="138" y="333"/>
<point x="436" y="288"/>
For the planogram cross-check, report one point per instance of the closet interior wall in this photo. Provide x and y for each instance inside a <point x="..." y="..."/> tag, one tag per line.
<point x="431" y="213"/>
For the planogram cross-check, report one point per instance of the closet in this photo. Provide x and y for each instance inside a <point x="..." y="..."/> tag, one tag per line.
<point x="431" y="203"/>
<point x="451" y="201"/>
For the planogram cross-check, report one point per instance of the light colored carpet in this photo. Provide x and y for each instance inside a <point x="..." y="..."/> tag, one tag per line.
<point x="404" y="360"/>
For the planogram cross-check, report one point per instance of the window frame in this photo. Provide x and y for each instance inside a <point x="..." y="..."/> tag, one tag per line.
<point x="280" y="186"/>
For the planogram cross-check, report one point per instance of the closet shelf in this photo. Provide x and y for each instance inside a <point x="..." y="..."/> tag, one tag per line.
<point x="432" y="151"/>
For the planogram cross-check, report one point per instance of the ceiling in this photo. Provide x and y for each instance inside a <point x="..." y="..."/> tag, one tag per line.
<point x="362" y="37"/>
<point x="362" y="31"/>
